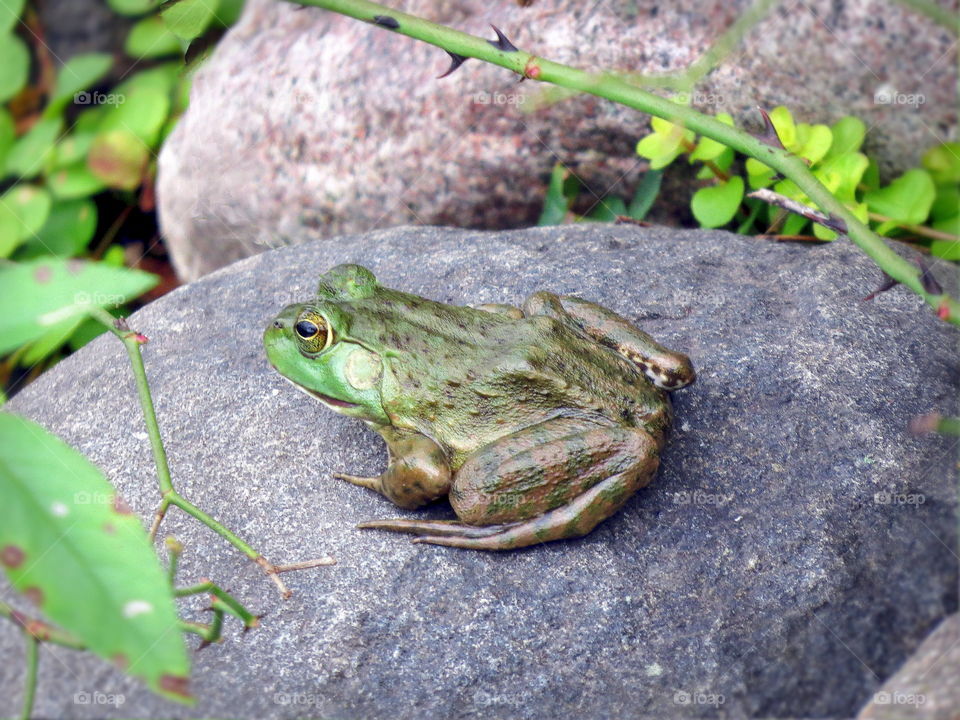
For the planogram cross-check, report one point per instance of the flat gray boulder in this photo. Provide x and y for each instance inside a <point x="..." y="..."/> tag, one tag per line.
<point x="304" y="118"/>
<point x="795" y="548"/>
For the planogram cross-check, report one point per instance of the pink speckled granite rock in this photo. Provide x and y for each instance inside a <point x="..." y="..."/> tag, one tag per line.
<point x="305" y="123"/>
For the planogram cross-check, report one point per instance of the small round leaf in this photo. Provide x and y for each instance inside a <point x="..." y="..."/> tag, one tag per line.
<point x="716" y="205"/>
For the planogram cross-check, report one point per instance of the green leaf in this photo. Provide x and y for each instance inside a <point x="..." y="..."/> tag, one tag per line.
<point x="67" y="231"/>
<point x="72" y="148"/>
<point x="842" y="174"/>
<point x="141" y="113"/>
<point x="707" y="148"/>
<point x="188" y="19"/>
<point x="75" y="181"/>
<point x="228" y="11"/>
<point x="48" y="343"/>
<point x="647" y="190"/>
<point x="716" y="205"/>
<point x="786" y="129"/>
<point x="162" y="78"/>
<point x="151" y="38"/>
<point x="88" y="330"/>
<point x="608" y="209"/>
<point x="848" y="134"/>
<point x="31" y="151"/>
<point x="72" y="546"/>
<point x="871" y="176"/>
<point x="25" y="209"/>
<point x="758" y="174"/>
<point x="78" y="73"/>
<point x="723" y="161"/>
<point x="906" y="200"/>
<point x="947" y="249"/>
<point x="133" y="7"/>
<point x="943" y="162"/>
<point x="8" y="135"/>
<point x="118" y="158"/>
<point x="15" y="61"/>
<point x="947" y="202"/>
<point x="42" y="293"/>
<point x="815" y="141"/>
<point x="859" y="211"/>
<point x="10" y="12"/>
<point x="561" y="193"/>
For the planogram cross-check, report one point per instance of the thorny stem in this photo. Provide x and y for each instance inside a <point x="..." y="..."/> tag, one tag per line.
<point x="169" y="496"/>
<point x="30" y="683"/>
<point x="620" y="91"/>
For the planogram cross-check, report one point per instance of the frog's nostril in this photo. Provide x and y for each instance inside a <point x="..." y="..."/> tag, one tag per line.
<point x="277" y="324"/>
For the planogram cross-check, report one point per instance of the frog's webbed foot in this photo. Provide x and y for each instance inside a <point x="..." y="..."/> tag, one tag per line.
<point x="435" y="529"/>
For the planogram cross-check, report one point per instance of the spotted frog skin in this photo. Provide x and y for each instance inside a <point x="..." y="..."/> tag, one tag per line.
<point x="537" y="422"/>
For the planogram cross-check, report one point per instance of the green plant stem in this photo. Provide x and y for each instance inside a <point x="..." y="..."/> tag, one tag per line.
<point x="616" y="89"/>
<point x="941" y="15"/>
<point x="917" y="229"/>
<point x="169" y="496"/>
<point x="30" y="682"/>
<point x="40" y="630"/>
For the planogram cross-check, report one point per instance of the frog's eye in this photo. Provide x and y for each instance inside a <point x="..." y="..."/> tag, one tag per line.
<point x="314" y="332"/>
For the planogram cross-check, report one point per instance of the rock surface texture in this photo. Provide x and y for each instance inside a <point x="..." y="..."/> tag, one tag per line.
<point x="795" y="548"/>
<point x="305" y="118"/>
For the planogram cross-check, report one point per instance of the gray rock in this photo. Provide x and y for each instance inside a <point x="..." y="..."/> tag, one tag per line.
<point x="305" y="118"/>
<point x="793" y="551"/>
<point x="926" y="686"/>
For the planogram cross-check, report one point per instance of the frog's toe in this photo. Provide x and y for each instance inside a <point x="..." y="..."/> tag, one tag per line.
<point x="435" y="529"/>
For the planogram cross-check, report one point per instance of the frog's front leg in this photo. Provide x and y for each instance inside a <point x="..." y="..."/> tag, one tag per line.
<point x="667" y="369"/>
<point x="418" y="472"/>
<point x="554" y="480"/>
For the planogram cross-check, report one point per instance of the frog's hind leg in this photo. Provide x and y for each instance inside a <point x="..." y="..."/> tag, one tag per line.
<point x="555" y="480"/>
<point x="667" y="369"/>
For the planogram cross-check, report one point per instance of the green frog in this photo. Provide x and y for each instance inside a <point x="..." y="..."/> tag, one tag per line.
<point x="536" y="422"/>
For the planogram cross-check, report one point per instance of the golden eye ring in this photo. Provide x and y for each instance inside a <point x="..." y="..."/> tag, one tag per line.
<point x="314" y="332"/>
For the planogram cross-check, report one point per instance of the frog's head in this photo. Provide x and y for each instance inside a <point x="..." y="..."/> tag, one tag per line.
<point x="310" y="345"/>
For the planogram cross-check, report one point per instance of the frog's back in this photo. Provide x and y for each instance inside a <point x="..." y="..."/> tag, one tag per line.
<point x="466" y="377"/>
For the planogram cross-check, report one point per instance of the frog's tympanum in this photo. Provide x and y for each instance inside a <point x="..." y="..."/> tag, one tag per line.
<point x="537" y="422"/>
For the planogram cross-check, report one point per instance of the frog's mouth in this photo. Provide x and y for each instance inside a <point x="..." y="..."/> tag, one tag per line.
<point x="326" y="399"/>
<point x="329" y="400"/>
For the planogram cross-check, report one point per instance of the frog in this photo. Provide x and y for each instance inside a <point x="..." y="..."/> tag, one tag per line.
<point x="536" y="422"/>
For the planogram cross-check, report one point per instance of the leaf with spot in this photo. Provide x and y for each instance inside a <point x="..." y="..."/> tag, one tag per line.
<point x="71" y="545"/>
<point x="118" y="158"/>
<point x="43" y="294"/>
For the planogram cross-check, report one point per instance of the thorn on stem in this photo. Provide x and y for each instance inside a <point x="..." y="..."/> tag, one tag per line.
<point x="769" y="135"/>
<point x="502" y="43"/>
<point x="455" y="62"/>
<point x="385" y="21"/>
<point x="888" y="283"/>
<point x="929" y="282"/>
